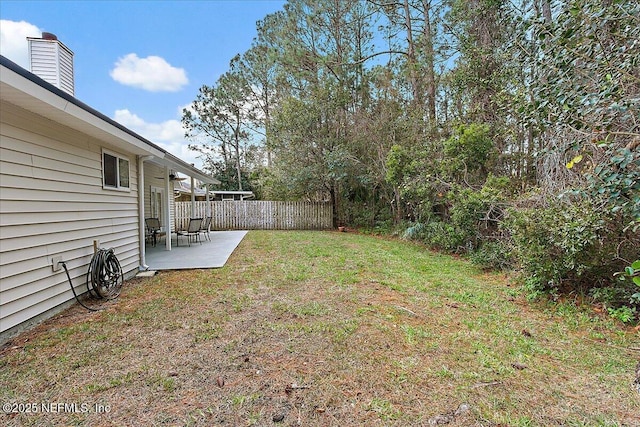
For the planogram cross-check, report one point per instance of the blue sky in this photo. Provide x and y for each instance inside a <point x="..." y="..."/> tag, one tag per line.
<point x="139" y="62"/>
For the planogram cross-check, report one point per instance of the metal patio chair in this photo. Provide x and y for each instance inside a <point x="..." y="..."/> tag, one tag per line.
<point x="153" y="230"/>
<point x="206" y="224"/>
<point x="192" y="232"/>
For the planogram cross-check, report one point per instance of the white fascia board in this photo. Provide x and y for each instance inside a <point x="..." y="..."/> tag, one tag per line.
<point x="187" y="169"/>
<point x="141" y="147"/>
<point x="12" y="80"/>
<point x="177" y="165"/>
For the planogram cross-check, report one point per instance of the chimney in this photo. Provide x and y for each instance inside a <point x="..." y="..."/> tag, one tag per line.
<point x="52" y="61"/>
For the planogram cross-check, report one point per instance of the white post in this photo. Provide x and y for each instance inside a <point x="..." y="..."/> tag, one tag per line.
<point x="167" y="208"/>
<point x="208" y="201"/>
<point x="193" y="200"/>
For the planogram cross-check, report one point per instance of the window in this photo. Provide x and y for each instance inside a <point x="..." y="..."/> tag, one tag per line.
<point x="157" y="194"/>
<point x="115" y="171"/>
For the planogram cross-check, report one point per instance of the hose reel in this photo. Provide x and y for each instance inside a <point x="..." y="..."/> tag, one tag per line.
<point x="105" y="273"/>
<point x="104" y="277"/>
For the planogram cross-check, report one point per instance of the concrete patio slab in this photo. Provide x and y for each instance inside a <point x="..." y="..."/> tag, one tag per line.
<point x="209" y="254"/>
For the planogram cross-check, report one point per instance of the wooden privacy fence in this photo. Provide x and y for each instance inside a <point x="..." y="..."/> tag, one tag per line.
<point x="258" y="215"/>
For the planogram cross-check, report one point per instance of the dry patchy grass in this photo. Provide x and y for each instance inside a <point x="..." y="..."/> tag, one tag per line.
<point x="327" y="329"/>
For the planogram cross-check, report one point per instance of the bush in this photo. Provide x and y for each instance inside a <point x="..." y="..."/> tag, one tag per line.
<point x="569" y="247"/>
<point x="614" y="295"/>
<point x="444" y="236"/>
<point x="470" y="217"/>
<point x="415" y="231"/>
<point x="434" y="233"/>
<point x="493" y="255"/>
<point x="624" y="314"/>
<point x="467" y="211"/>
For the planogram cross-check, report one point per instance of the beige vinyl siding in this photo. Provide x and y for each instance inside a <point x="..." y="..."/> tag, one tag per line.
<point x="52" y="203"/>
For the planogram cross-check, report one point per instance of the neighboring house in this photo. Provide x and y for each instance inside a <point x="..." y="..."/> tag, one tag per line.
<point x="232" y="195"/>
<point x="183" y="192"/>
<point x="69" y="177"/>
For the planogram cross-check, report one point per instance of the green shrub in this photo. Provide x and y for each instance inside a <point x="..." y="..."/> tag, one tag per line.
<point x="470" y="217"/>
<point x="444" y="236"/>
<point x="415" y="231"/>
<point x="609" y="296"/>
<point x="468" y="152"/>
<point x="438" y="235"/>
<point x="468" y="208"/>
<point x="624" y="314"/>
<point x="493" y="255"/>
<point x="568" y="247"/>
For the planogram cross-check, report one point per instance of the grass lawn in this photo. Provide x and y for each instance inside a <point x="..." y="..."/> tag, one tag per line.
<point x="326" y="329"/>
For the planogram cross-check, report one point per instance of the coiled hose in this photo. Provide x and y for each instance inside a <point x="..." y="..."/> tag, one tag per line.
<point x="104" y="277"/>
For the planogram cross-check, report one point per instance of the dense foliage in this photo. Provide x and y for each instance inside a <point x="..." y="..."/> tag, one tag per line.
<point x="506" y="130"/>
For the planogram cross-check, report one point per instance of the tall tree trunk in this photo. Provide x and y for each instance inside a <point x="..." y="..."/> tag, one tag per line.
<point x="411" y="57"/>
<point x="429" y="66"/>
<point x="397" y="201"/>
<point x="267" y="126"/>
<point x="334" y="204"/>
<point x="237" y="150"/>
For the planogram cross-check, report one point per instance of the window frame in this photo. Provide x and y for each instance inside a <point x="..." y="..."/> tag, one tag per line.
<point x="119" y="158"/>
<point x="157" y="206"/>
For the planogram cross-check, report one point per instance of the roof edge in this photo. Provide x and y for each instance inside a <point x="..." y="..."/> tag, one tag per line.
<point x="168" y="158"/>
<point x="6" y="62"/>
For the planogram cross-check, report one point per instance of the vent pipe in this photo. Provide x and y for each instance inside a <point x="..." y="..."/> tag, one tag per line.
<point x="52" y="61"/>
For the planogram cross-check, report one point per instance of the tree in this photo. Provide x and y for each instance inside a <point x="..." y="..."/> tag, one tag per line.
<point x="321" y="84"/>
<point x="416" y="50"/>
<point x="221" y="114"/>
<point x="259" y="68"/>
<point x="586" y="99"/>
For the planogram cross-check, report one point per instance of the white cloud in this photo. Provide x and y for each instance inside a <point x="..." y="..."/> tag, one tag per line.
<point x="169" y="135"/>
<point x="166" y="131"/>
<point x="152" y="73"/>
<point x="13" y="40"/>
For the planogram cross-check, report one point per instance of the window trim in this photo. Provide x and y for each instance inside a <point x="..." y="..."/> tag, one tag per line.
<point x="119" y="158"/>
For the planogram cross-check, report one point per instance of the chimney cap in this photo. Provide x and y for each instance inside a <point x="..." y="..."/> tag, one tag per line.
<point x="49" y="36"/>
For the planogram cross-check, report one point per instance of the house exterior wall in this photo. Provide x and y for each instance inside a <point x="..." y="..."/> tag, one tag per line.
<point x="152" y="178"/>
<point x="52" y="203"/>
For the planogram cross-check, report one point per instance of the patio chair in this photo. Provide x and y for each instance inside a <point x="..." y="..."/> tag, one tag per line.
<point x="153" y="230"/>
<point x="192" y="232"/>
<point x="206" y="224"/>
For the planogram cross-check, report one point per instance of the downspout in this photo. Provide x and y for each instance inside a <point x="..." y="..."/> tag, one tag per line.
<point x="167" y="208"/>
<point x="141" y="224"/>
